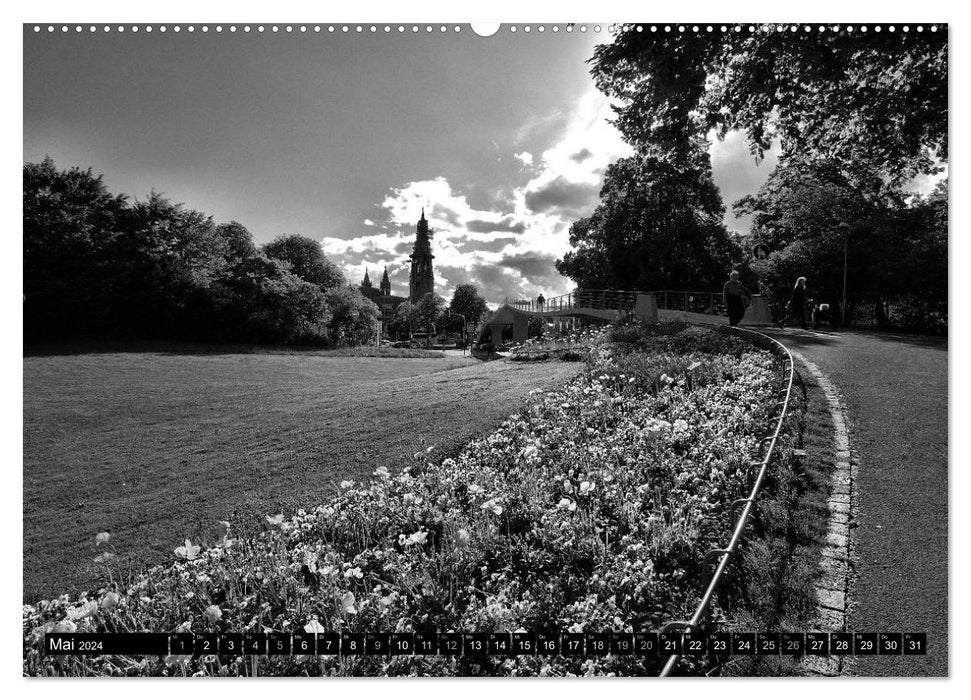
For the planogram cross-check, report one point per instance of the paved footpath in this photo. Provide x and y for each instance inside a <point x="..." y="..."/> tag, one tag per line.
<point x="895" y="390"/>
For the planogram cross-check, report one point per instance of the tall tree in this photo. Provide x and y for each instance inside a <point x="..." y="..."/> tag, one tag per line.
<point x="426" y="312"/>
<point x="466" y="301"/>
<point x="399" y="325"/>
<point x="71" y="222"/>
<point x="354" y="316"/>
<point x="658" y="226"/>
<point x="306" y="259"/>
<point x="874" y="103"/>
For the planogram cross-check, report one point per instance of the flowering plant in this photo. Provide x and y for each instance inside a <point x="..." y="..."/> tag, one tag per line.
<point x="590" y="509"/>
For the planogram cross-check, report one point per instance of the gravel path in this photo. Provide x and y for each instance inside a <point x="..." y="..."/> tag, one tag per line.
<point x="896" y="391"/>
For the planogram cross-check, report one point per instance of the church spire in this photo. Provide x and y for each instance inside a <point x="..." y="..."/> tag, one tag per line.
<point x="386" y="283"/>
<point x="422" y="278"/>
<point x="367" y="279"/>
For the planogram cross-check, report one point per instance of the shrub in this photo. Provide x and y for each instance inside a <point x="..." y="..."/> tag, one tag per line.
<point x="353" y="317"/>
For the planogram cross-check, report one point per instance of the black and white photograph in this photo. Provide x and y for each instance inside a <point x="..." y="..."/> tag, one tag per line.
<point x="437" y="349"/>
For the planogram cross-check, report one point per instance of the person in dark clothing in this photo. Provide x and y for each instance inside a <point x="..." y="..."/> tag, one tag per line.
<point x="797" y="303"/>
<point x="540" y="300"/>
<point x="736" y="298"/>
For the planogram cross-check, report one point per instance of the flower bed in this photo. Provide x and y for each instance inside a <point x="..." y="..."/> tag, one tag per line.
<point x="589" y="510"/>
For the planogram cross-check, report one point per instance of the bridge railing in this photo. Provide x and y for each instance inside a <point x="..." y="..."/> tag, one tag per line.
<point x="710" y="303"/>
<point x="603" y="299"/>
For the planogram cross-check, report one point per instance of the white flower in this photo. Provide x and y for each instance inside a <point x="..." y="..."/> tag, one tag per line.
<point x="213" y="614"/>
<point x="681" y="424"/>
<point x="346" y="484"/>
<point x="492" y="506"/>
<point x="566" y="504"/>
<point x="110" y="600"/>
<point x="415" y="538"/>
<point x="354" y="573"/>
<point x="347" y="603"/>
<point x="274" y="519"/>
<point x="382" y="472"/>
<point x="586" y="487"/>
<point x="88" y="609"/>
<point x="65" y="626"/>
<point x="314" y="627"/>
<point x="102" y="538"/>
<point x="461" y="539"/>
<point x="187" y="551"/>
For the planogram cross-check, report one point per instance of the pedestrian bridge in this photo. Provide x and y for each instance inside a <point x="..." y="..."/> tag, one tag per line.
<point x="611" y="306"/>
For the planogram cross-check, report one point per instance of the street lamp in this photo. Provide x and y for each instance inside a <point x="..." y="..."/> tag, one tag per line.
<point x="464" y="328"/>
<point x="845" y="228"/>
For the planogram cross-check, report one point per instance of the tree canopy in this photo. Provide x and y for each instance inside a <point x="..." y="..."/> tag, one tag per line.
<point x="466" y="301"/>
<point x="97" y="265"/>
<point x="657" y="226"/>
<point x="426" y="312"/>
<point x="874" y="104"/>
<point x="897" y="252"/>
<point x="307" y="260"/>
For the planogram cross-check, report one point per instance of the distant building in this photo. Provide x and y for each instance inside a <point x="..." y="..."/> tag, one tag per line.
<point x="422" y="279"/>
<point x="387" y="302"/>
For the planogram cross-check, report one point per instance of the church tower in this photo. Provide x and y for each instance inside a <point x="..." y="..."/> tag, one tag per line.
<point x="366" y="284"/>
<point x="422" y="280"/>
<point x="385" y="284"/>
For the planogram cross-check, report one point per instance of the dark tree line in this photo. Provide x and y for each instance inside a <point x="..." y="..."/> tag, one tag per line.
<point x="896" y="251"/>
<point x="99" y="266"/>
<point x="855" y="116"/>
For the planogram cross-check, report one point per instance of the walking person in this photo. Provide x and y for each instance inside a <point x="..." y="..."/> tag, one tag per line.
<point x="736" y="298"/>
<point x="797" y="304"/>
<point x="540" y="301"/>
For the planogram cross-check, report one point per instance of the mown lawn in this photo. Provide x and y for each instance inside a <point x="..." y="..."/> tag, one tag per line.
<point x="155" y="447"/>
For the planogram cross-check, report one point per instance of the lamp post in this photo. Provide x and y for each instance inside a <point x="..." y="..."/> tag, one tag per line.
<point x="845" y="228"/>
<point x="464" y="328"/>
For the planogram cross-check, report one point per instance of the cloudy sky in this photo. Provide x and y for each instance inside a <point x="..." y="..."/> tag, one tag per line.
<point x="345" y="137"/>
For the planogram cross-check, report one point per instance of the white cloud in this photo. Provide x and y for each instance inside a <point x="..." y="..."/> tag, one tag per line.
<point x="368" y="222"/>
<point x="508" y="250"/>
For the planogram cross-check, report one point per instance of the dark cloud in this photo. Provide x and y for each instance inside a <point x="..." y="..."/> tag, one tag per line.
<point x="440" y="211"/>
<point x="491" y="246"/>
<point x="563" y="197"/>
<point x="530" y="265"/>
<point x="404" y="248"/>
<point x="581" y="155"/>
<point x="508" y="224"/>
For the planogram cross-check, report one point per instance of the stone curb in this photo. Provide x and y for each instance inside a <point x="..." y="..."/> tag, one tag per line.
<point x="832" y="588"/>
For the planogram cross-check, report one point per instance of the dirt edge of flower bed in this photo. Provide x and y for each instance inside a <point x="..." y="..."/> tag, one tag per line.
<point x="783" y="568"/>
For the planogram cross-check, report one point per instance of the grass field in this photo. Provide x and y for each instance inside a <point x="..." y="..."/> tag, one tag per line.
<point x="155" y="447"/>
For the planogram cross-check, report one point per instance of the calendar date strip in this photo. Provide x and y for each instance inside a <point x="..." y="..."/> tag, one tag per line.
<point x="489" y="644"/>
